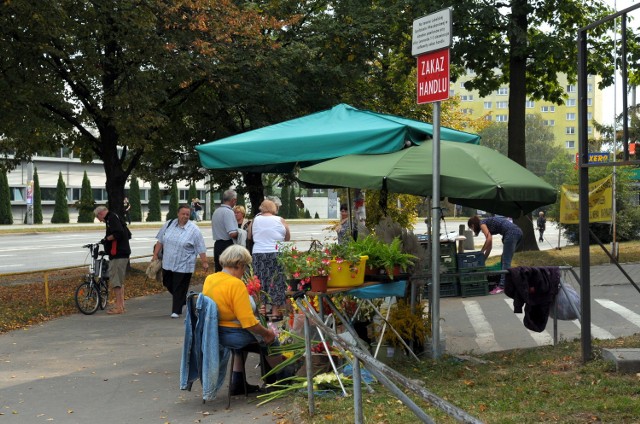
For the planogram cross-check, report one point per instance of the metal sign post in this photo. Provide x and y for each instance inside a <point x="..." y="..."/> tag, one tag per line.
<point x="431" y="41"/>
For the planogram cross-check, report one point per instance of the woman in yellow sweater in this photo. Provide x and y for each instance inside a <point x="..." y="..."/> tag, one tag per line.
<point x="237" y="323"/>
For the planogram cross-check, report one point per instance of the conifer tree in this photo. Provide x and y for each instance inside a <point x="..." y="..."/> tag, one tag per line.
<point x="284" y="198"/>
<point x="294" y="212"/>
<point x="61" y="209"/>
<point x="154" y="202"/>
<point x="86" y="204"/>
<point x="193" y="193"/>
<point x="6" y="217"/>
<point x="316" y="216"/>
<point x="174" y="200"/>
<point x="37" y="199"/>
<point x="135" y="213"/>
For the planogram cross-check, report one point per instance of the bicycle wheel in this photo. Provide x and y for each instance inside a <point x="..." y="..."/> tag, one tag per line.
<point x="104" y="293"/>
<point x="87" y="298"/>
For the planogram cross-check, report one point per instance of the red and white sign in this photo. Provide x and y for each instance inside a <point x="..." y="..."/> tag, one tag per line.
<point x="433" y="76"/>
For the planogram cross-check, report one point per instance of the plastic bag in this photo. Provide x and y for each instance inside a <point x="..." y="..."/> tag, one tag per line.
<point x="566" y="297"/>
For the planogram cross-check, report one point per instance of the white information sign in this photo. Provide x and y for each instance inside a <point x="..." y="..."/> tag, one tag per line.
<point x="431" y="32"/>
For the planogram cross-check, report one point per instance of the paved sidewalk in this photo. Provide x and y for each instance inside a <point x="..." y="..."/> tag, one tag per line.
<point x="111" y="369"/>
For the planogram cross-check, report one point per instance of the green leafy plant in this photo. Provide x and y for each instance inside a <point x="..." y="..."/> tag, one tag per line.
<point x="384" y="255"/>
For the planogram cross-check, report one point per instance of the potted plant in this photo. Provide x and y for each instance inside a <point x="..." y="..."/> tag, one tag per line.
<point x="413" y="327"/>
<point x="303" y="265"/>
<point x="385" y="258"/>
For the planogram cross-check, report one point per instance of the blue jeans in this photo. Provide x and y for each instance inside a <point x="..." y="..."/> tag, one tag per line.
<point x="509" y="244"/>
<point x="238" y="338"/>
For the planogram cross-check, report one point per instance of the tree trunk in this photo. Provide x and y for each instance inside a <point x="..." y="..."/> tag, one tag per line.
<point x="116" y="175"/>
<point x="517" y="105"/>
<point x="253" y="183"/>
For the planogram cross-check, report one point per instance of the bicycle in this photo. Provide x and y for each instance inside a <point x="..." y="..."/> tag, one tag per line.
<point x="93" y="292"/>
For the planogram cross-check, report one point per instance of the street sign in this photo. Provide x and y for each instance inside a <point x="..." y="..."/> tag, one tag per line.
<point x="433" y="76"/>
<point x="431" y="32"/>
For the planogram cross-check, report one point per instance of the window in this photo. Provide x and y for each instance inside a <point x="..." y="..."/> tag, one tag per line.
<point x="589" y="116"/>
<point x="99" y="194"/>
<point x="549" y="123"/>
<point x="502" y="105"/>
<point x="570" y="130"/>
<point x="467" y="111"/>
<point x="452" y="93"/>
<point x="502" y="91"/>
<point x="48" y="193"/>
<point x="571" y="102"/>
<point x="466" y="97"/>
<point x="462" y="85"/>
<point x="530" y="104"/>
<point x="546" y="109"/>
<point x="571" y="88"/>
<point x="589" y="101"/>
<point x="488" y="118"/>
<point x="589" y="130"/>
<point x="15" y="194"/>
<point x="589" y="88"/>
<point x="487" y="105"/>
<point x="76" y="193"/>
<point x="571" y="116"/>
<point x="502" y="118"/>
<point x="569" y="144"/>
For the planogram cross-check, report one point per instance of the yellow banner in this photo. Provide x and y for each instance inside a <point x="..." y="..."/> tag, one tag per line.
<point x="600" y="202"/>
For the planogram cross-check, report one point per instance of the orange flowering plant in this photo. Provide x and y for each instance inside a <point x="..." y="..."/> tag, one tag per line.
<point x="254" y="287"/>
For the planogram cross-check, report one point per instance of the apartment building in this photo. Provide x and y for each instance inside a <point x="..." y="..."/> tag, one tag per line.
<point x="561" y="120"/>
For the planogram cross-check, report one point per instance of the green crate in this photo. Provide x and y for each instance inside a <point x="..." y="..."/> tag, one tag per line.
<point x="449" y="286"/>
<point x="478" y="288"/>
<point x="472" y="277"/>
<point x="448" y="248"/>
<point x="448" y="263"/>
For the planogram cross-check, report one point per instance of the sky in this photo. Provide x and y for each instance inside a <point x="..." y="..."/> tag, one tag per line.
<point x="610" y="93"/>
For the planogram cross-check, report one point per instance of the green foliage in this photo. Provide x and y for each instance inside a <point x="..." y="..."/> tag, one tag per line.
<point x="135" y="213"/>
<point x="174" y="201"/>
<point x="6" y="217"/>
<point x="383" y="255"/>
<point x="294" y="211"/>
<point x="154" y="214"/>
<point x="540" y="146"/>
<point x="284" y="209"/>
<point x="404" y="215"/>
<point x="37" y="198"/>
<point x="61" y="209"/>
<point x="86" y="204"/>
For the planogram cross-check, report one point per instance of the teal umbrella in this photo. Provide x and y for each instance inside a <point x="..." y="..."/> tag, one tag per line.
<point x="342" y="130"/>
<point x="470" y="175"/>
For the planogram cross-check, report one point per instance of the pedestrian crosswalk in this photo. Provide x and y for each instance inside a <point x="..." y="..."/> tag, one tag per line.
<point x="488" y="324"/>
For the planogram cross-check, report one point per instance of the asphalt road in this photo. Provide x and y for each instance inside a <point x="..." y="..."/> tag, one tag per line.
<point x="20" y="252"/>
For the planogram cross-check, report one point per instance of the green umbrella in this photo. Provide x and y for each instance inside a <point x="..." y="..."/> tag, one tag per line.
<point x="470" y="175"/>
<point x="341" y="130"/>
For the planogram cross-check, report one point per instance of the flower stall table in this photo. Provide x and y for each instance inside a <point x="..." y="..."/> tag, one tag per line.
<point x="364" y="292"/>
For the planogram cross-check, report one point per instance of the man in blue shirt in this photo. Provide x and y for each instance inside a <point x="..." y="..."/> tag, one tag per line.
<point x="224" y="226"/>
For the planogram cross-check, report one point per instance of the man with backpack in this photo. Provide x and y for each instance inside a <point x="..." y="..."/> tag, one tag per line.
<point x="116" y="244"/>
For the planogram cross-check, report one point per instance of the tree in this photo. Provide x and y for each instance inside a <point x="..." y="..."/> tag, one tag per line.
<point x="86" y="204"/>
<point x="61" y="208"/>
<point x="284" y="197"/>
<point x="37" y="198"/>
<point x="524" y="45"/>
<point x="6" y="217"/>
<point x="540" y="143"/>
<point x="174" y="200"/>
<point x="127" y="82"/>
<point x="154" y="202"/>
<point x="291" y="202"/>
<point x="135" y="213"/>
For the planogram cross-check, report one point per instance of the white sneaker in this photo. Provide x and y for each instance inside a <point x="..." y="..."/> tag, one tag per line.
<point x="174" y="315"/>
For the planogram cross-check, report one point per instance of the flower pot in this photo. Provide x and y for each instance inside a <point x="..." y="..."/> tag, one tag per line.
<point x="319" y="283"/>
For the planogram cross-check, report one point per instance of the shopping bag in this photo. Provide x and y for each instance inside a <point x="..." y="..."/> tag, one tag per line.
<point x="566" y="297"/>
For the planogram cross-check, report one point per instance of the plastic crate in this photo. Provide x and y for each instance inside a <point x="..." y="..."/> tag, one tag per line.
<point x="446" y="290"/>
<point x="472" y="277"/>
<point x="470" y="260"/>
<point x="478" y="288"/>
<point x="448" y="248"/>
<point x="448" y="264"/>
